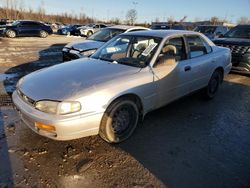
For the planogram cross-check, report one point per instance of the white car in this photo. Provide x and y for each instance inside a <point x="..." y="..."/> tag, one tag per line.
<point x="86" y="48"/>
<point x="109" y="93"/>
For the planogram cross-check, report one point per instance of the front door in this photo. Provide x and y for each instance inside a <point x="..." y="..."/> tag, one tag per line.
<point x="172" y="71"/>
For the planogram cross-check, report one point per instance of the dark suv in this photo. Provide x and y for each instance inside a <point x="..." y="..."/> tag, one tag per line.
<point x="212" y="31"/>
<point x="27" y="28"/>
<point x="238" y="40"/>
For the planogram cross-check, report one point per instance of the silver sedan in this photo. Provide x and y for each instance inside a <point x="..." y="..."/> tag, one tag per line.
<point x="110" y="93"/>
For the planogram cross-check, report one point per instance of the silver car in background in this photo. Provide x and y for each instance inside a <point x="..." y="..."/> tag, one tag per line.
<point x="109" y="93"/>
<point x="86" y="48"/>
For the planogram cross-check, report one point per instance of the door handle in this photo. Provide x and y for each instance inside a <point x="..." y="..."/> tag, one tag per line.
<point x="187" y="68"/>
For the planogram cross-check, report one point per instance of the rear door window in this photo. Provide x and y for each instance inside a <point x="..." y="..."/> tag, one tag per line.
<point x="197" y="46"/>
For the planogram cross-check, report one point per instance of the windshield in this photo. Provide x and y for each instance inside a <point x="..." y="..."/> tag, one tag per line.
<point x="239" y="32"/>
<point x="205" y="29"/>
<point x="15" y="23"/>
<point x="134" y="51"/>
<point x="105" y="35"/>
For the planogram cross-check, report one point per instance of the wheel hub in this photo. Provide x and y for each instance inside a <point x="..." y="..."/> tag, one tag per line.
<point x="121" y="120"/>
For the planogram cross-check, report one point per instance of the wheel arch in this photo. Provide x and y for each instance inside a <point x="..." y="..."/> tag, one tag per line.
<point x="132" y="96"/>
<point x="221" y="70"/>
<point x="14" y="29"/>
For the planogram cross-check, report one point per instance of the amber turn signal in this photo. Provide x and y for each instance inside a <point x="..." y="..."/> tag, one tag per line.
<point x="45" y="127"/>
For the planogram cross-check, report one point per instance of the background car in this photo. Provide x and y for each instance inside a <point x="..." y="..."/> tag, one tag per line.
<point x="87" y="47"/>
<point x="212" y="31"/>
<point x="68" y="29"/>
<point x="167" y="26"/>
<point x="27" y="28"/>
<point x="110" y="93"/>
<point x="89" y="29"/>
<point x="238" y="41"/>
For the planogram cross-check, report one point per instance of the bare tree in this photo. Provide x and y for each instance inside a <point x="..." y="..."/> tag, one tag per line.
<point x="157" y="19"/>
<point x="214" y="20"/>
<point x="116" y="21"/>
<point x="243" y="20"/>
<point x="131" y="16"/>
<point x="170" y="19"/>
<point x="183" y="19"/>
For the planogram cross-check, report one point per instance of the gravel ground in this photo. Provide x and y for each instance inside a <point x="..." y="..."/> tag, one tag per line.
<point x="189" y="143"/>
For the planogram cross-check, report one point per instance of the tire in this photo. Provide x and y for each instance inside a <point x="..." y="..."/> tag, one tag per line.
<point x="119" y="121"/>
<point x="11" y="33"/>
<point x="89" y="33"/>
<point x="213" y="85"/>
<point x="43" y="34"/>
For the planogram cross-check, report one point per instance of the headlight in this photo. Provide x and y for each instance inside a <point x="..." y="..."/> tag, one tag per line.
<point x="88" y="53"/>
<point x="83" y="31"/>
<point x="47" y="106"/>
<point x="69" y="107"/>
<point x="61" y="108"/>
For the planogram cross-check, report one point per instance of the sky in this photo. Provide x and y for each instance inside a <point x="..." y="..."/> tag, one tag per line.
<point x="148" y="10"/>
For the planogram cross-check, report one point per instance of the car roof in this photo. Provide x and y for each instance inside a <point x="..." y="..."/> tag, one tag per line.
<point x="126" y="27"/>
<point x="211" y="26"/>
<point x="28" y="21"/>
<point x="162" y="33"/>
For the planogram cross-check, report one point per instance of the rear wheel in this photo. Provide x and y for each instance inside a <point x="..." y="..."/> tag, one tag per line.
<point x="119" y="121"/>
<point x="213" y="86"/>
<point x="43" y="34"/>
<point x="10" y="33"/>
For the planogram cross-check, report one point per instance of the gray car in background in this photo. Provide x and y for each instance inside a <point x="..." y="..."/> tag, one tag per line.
<point x="85" y="48"/>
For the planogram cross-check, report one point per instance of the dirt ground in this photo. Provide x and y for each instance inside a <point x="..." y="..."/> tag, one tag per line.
<point x="189" y="143"/>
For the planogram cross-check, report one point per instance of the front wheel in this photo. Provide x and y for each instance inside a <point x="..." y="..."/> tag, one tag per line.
<point x="213" y="85"/>
<point x="43" y="34"/>
<point x="10" y="33"/>
<point x="119" y="121"/>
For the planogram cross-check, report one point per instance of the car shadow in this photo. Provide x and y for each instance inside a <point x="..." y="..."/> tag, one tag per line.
<point x="47" y="57"/>
<point x="197" y="143"/>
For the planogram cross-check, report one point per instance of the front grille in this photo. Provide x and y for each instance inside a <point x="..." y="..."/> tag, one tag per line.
<point x="235" y="49"/>
<point x="26" y="98"/>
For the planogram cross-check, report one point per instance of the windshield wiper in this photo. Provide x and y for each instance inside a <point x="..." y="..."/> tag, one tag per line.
<point x="105" y="59"/>
<point x="131" y="64"/>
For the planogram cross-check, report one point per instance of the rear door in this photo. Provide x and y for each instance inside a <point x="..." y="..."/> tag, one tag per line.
<point x="200" y="61"/>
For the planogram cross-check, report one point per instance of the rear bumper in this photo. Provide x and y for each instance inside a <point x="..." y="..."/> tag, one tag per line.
<point x="66" y="127"/>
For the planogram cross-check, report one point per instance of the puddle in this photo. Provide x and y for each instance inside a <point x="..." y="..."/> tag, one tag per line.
<point x="7" y="76"/>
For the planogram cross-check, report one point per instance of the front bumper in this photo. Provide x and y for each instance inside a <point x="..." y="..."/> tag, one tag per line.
<point x="241" y="63"/>
<point x="66" y="127"/>
<point x="69" y="54"/>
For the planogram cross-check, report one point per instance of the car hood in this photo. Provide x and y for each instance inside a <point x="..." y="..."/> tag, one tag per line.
<point x="68" y="80"/>
<point x="232" y="41"/>
<point x="85" y="45"/>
